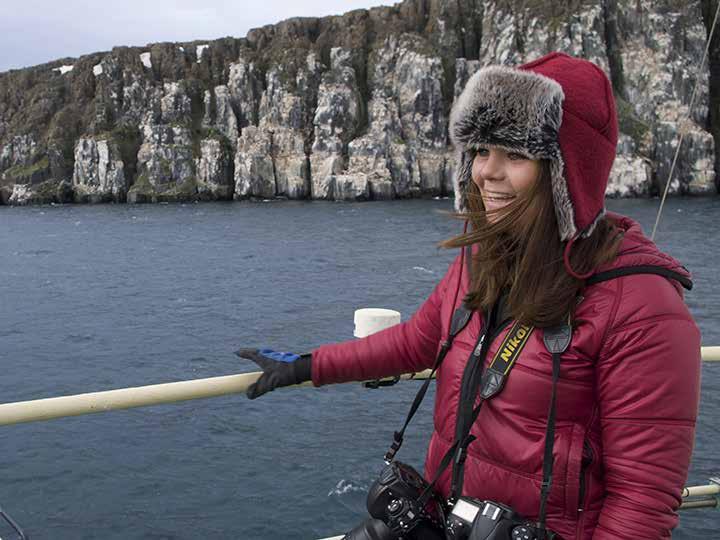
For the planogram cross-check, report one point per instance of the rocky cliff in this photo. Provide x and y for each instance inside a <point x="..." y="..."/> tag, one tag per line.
<point x="346" y="107"/>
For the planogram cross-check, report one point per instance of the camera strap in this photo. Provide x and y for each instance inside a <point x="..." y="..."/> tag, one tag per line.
<point x="487" y="384"/>
<point x="460" y="319"/>
<point x="557" y="340"/>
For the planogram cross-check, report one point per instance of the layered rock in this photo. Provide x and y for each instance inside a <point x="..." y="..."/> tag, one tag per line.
<point x="245" y="87"/>
<point x="214" y="170"/>
<point x="659" y="82"/>
<point x="336" y="122"/>
<point x="279" y="142"/>
<point x="166" y="168"/>
<point x="99" y="173"/>
<point x="342" y="108"/>
<point x="631" y="175"/>
<point x="18" y="152"/>
<point x="219" y="113"/>
<point x="165" y="159"/>
<point x="254" y="168"/>
<point x="403" y="152"/>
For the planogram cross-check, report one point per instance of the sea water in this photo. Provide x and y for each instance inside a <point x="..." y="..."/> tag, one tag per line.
<point x="101" y="297"/>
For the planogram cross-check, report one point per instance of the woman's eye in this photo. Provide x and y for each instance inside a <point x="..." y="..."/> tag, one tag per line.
<point x="515" y="156"/>
<point x="482" y="152"/>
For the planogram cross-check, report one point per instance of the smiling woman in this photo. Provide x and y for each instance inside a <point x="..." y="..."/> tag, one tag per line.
<point x="501" y="176"/>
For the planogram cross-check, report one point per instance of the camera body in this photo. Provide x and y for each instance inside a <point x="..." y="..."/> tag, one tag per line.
<point x="393" y="499"/>
<point x="396" y="513"/>
<point x="473" y="519"/>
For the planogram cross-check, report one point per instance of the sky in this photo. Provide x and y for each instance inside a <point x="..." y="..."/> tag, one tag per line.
<point x="37" y="31"/>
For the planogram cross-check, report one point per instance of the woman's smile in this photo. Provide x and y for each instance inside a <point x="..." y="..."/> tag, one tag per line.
<point x="494" y="199"/>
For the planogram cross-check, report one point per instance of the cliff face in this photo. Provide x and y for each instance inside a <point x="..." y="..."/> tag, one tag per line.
<point x="344" y="108"/>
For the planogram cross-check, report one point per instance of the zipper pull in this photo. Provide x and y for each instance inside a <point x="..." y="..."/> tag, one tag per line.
<point x="478" y="348"/>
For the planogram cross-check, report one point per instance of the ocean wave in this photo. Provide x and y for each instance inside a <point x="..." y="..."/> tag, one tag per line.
<point x="343" y="487"/>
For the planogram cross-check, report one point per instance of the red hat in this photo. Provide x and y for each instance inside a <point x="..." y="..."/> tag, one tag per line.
<point x="557" y="108"/>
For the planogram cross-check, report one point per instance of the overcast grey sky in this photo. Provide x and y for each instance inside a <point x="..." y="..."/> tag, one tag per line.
<point x="37" y="31"/>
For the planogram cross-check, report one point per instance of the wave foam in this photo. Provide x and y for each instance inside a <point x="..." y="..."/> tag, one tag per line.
<point x="343" y="487"/>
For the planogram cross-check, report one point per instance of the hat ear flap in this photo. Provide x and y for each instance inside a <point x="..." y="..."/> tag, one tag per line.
<point x="463" y="177"/>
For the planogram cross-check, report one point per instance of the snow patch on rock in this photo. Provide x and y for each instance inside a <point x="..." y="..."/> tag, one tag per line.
<point x="199" y="52"/>
<point x="63" y="69"/>
<point x="145" y="59"/>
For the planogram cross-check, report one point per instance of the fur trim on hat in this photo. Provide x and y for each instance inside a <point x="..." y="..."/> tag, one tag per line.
<point x="515" y="110"/>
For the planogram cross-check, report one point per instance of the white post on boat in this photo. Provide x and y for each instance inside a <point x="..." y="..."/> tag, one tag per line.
<point x="371" y="320"/>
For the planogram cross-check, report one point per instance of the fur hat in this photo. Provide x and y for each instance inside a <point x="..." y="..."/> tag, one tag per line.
<point x="557" y="108"/>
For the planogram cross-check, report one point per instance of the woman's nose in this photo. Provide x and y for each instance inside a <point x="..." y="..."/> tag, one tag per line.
<point x="492" y="166"/>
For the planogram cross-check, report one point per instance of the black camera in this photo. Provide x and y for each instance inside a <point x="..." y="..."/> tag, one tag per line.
<point x="473" y="519"/>
<point x="393" y="503"/>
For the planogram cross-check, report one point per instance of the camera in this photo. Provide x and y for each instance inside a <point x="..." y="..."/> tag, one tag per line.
<point x="393" y="504"/>
<point x="397" y="514"/>
<point x="473" y="519"/>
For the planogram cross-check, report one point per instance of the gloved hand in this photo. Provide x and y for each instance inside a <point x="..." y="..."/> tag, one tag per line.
<point x="279" y="369"/>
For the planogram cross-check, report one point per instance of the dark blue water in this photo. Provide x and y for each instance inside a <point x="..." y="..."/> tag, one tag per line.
<point x="101" y="297"/>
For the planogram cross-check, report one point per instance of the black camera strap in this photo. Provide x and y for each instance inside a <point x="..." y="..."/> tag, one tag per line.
<point x="487" y="384"/>
<point x="460" y="319"/>
<point x="484" y="386"/>
<point x="557" y="340"/>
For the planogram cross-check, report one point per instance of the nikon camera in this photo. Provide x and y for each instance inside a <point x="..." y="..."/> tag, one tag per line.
<point x="473" y="519"/>
<point x="396" y="514"/>
<point x="393" y="504"/>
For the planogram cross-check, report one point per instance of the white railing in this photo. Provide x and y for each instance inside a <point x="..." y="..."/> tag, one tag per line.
<point x="158" y="394"/>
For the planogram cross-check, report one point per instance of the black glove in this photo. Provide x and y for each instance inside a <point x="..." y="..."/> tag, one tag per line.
<point x="279" y="369"/>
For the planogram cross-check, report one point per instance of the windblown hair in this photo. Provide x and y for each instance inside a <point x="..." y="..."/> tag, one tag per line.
<point x="521" y="254"/>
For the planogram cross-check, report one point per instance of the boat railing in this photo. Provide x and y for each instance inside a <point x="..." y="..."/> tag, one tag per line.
<point x="160" y="394"/>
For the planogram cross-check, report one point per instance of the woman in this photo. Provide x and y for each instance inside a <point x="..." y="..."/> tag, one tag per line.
<point x="536" y="145"/>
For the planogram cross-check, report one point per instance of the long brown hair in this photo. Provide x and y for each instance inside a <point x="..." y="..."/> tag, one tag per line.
<point x="521" y="253"/>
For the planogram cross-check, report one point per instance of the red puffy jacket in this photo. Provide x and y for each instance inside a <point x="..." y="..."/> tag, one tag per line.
<point x="626" y="405"/>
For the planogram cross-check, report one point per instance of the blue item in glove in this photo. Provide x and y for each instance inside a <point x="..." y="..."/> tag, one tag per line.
<point x="279" y="356"/>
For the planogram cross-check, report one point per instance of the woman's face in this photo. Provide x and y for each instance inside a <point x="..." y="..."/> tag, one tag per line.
<point x="501" y="176"/>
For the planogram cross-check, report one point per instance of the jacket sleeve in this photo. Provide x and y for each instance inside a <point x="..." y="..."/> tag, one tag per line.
<point x="408" y="347"/>
<point x="648" y="383"/>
